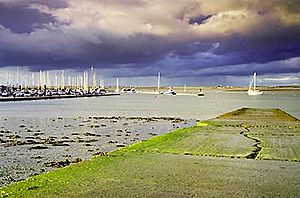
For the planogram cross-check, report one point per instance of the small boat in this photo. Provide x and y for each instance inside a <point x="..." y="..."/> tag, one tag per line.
<point x="201" y="93"/>
<point x="252" y="91"/>
<point x="5" y="94"/>
<point x="170" y="92"/>
<point x="101" y="91"/>
<point x="131" y="90"/>
<point x="128" y="90"/>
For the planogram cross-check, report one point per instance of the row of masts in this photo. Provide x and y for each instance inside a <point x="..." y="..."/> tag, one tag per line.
<point x="58" y="79"/>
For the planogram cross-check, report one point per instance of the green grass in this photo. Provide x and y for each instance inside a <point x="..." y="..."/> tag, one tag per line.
<point x="162" y="175"/>
<point x="283" y="115"/>
<point x="259" y="115"/>
<point x="237" y="112"/>
<point x="204" y="140"/>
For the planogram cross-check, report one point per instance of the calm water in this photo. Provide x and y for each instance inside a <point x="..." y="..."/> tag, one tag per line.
<point x="213" y="104"/>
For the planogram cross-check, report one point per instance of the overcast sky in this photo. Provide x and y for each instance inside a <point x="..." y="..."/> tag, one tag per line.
<point x="205" y="42"/>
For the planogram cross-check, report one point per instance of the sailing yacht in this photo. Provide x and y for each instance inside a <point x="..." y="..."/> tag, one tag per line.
<point x="252" y="91"/>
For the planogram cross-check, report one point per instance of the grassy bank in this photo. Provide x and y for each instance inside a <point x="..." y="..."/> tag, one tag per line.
<point x="210" y="159"/>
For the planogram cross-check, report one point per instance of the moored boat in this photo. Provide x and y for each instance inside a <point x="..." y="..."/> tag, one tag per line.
<point x="252" y="91"/>
<point x="128" y="90"/>
<point x="170" y="92"/>
<point x="201" y="93"/>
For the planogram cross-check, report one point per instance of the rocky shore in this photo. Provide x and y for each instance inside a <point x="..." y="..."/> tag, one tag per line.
<point x="30" y="146"/>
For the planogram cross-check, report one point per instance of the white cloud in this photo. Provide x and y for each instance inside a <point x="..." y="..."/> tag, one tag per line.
<point x="167" y="17"/>
<point x="286" y="78"/>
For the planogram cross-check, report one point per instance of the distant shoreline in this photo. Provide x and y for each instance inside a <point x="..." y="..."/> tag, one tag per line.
<point x="195" y="89"/>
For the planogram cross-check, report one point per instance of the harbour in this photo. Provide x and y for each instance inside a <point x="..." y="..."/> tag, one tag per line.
<point x="215" y="102"/>
<point x="155" y="98"/>
<point x="76" y="128"/>
<point x="29" y="98"/>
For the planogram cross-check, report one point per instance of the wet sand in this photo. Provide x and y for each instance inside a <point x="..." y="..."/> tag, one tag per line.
<point x="30" y="146"/>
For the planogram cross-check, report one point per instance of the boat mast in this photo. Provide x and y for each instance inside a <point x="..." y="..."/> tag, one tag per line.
<point x="254" y="81"/>
<point x="85" y="81"/>
<point x="184" y="90"/>
<point x="48" y="81"/>
<point x="158" y="81"/>
<point x="40" y="79"/>
<point x="32" y="78"/>
<point x="62" y="79"/>
<point x="7" y="79"/>
<point x="56" y="81"/>
<point x="94" y="79"/>
<point x="117" y="89"/>
<point x="18" y="79"/>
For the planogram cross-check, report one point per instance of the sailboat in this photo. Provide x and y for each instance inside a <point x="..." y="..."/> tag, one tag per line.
<point x="252" y="91"/>
<point x="170" y="92"/>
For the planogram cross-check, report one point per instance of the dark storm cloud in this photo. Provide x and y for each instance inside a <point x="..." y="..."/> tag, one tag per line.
<point x="74" y="52"/>
<point x="21" y="19"/>
<point x="273" y="44"/>
<point x="239" y="50"/>
<point x="179" y="38"/>
<point x="199" y="19"/>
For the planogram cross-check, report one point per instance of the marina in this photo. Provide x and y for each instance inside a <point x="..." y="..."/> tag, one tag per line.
<point x="158" y="98"/>
<point x="28" y="98"/>
<point x="94" y="124"/>
<point x="139" y="104"/>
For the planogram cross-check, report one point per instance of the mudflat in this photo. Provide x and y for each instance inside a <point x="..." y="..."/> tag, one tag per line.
<point x="245" y="153"/>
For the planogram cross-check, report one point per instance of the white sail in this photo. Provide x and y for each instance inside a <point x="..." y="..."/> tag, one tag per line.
<point x="252" y="91"/>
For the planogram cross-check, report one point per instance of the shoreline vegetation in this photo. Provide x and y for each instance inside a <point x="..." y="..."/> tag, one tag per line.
<point x="245" y="153"/>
